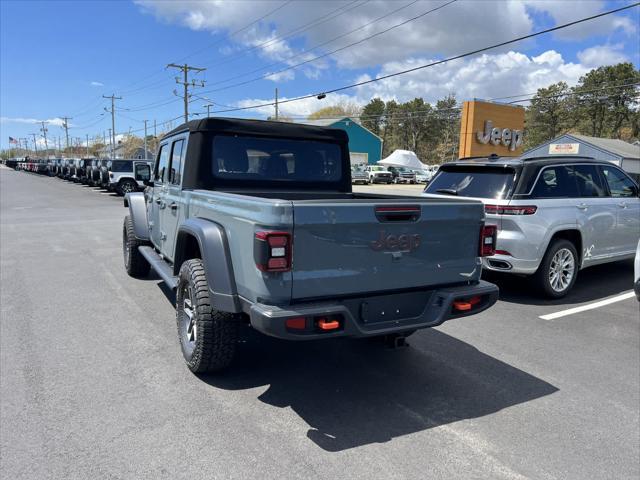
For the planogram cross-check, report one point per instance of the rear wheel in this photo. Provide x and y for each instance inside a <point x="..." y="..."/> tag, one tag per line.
<point x="558" y="270"/>
<point x="135" y="264"/>
<point x="207" y="337"/>
<point x="126" y="186"/>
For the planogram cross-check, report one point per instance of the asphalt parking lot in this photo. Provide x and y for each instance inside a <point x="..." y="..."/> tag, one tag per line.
<point x="93" y="384"/>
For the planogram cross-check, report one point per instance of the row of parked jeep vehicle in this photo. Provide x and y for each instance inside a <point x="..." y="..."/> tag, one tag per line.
<point x="121" y="176"/>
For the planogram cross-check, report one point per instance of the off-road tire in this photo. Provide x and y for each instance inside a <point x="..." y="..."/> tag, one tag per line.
<point x="217" y="332"/>
<point x="126" y="186"/>
<point x="135" y="264"/>
<point x="542" y="278"/>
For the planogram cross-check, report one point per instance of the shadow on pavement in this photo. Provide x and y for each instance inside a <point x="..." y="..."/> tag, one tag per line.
<point x="357" y="392"/>
<point x="593" y="283"/>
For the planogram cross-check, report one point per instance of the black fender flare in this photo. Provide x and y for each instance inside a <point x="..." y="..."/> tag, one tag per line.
<point x="216" y="257"/>
<point x="138" y="213"/>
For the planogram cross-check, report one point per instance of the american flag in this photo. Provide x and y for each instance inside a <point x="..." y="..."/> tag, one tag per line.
<point x="13" y="140"/>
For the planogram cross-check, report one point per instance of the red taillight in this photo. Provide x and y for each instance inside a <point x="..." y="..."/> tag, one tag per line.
<point x="488" y="236"/>
<point x="510" y="209"/>
<point x="272" y="251"/>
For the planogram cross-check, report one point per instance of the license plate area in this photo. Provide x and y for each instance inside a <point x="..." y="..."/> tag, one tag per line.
<point x="393" y="307"/>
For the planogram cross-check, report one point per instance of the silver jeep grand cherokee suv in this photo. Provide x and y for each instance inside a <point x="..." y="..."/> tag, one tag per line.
<point x="555" y="215"/>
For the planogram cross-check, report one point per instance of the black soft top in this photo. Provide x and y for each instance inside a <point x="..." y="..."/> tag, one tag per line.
<point x="262" y="128"/>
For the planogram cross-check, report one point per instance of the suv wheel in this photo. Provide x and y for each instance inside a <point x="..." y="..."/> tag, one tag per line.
<point x="559" y="269"/>
<point x="135" y="264"/>
<point x="126" y="186"/>
<point x="207" y="337"/>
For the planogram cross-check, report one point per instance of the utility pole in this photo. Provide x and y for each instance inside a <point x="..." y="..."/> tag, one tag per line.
<point x="65" y="125"/>
<point x="110" y="144"/>
<point x="44" y="132"/>
<point x="87" y="145"/>
<point x="145" y="139"/>
<point x="113" y="119"/>
<point x="35" y="143"/>
<point x="276" y="103"/>
<point x="208" y="107"/>
<point x="186" y="84"/>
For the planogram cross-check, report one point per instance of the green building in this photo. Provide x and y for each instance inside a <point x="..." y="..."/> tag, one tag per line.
<point x="364" y="145"/>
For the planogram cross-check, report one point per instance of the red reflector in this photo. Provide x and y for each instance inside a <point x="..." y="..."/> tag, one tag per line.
<point x="277" y="263"/>
<point x="510" y="209"/>
<point x="326" y="324"/>
<point x="298" y="323"/>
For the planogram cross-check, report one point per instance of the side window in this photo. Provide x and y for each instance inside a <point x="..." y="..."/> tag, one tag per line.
<point x="556" y="182"/>
<point x="619" y="184"/>
<point x="143" y="172"/>
<point x="162" y="163"/>
<point x="176" y="162"/>
<point x="589" y="181"/>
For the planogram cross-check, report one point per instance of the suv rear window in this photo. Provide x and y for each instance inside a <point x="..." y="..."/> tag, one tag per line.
<point x="480" y="182"/>
<point x="121" y="166"/>
<point x="275" y="160"/>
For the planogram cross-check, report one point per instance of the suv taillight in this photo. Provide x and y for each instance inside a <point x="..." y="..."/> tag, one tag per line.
<point x="272" y="251"/>
<point x="510" y="209"/>
<point x="488" y="237"/>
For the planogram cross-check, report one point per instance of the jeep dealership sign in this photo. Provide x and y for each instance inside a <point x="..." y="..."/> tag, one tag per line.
<point x="488" y="128"/>
<point x="509" y="138"/>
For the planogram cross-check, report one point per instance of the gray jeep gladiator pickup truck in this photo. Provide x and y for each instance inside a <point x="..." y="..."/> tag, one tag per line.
<point x="255" y="221"/>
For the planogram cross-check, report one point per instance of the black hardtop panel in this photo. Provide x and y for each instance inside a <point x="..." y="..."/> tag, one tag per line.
<point x="262" y="128"/>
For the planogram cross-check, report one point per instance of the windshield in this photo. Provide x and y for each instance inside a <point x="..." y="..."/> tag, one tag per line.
<point x="246" y="160"/>
<point x="378" y="169"/>
<point x="479" y="182"/>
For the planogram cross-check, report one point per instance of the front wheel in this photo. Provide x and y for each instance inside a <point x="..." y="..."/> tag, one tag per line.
<point x="558" y="270"/>
<point x="207" y="337"/>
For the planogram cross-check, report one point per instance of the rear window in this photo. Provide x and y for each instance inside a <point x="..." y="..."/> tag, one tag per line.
<point x="473" y="182"/>
<point x="275" y="160"/>
<point x="121" y="166"/>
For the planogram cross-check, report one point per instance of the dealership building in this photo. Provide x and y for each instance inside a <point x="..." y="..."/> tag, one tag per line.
<point x="623" y="154"/>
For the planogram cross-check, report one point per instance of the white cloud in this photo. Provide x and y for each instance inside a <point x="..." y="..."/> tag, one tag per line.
<point x="568" y="11"/>
<point x="58" y="122"/>
<point x="97" y="84"/>
<point x="486" y="77"/>
<point x="456" y="28"/>
<point x="601" y="55"/>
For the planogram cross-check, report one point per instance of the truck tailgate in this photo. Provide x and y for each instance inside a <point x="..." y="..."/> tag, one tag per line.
<point x="347" y="247"/>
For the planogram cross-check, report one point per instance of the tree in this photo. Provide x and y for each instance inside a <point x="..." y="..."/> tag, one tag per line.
<point x="373" y="114"/>
<point x="345" y="109"/>
<point x="448" y="131"/>
<point x="549" y="114"/>
<point x="606" y="97"/>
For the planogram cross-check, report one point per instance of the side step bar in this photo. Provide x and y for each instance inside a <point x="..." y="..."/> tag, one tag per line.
<point x="162" y="268"/>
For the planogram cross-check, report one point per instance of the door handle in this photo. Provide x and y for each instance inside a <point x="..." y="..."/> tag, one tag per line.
<point x="173" y="206"/>
<point x="582" y="206"/>
<point x="622" y="204"/>
<point x="158" y="201"/>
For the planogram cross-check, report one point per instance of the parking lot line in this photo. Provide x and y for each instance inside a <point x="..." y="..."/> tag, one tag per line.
<point x="589" y="306"/>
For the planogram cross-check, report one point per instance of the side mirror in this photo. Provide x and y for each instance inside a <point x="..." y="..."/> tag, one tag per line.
<point x="148" y="183"/>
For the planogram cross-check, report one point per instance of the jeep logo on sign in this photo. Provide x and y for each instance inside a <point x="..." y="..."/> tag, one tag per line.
<point x="511" y="139"/>
<point x="391" y="242"/>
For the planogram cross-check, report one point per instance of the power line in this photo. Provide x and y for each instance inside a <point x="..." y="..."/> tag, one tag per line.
<point x="292" y="67"/>
<point x="432" y="64"/>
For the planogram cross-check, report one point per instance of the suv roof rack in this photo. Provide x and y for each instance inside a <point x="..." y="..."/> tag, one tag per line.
<point x="548" y="157"/>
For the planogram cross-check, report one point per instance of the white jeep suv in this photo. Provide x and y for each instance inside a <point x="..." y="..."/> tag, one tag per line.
<point x="555" y="215"/>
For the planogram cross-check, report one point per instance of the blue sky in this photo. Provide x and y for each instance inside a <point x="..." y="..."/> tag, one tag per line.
<point x="58" y="58"/>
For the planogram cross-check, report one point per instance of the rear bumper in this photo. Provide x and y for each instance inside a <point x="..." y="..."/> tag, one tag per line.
<point x="509" y="264"/>
<point x="428" y="309"/>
